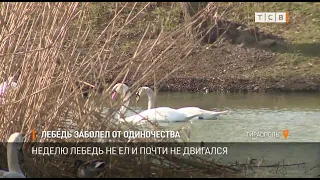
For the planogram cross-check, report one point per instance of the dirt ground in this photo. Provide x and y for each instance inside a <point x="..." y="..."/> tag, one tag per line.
<point x="233" y="68"/>
<point x="236" y="66"/>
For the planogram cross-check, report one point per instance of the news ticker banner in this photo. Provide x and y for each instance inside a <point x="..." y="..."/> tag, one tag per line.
<point x="236" y="150"/>
<point x="225" y="150"/>
<point x="302" y="159"/>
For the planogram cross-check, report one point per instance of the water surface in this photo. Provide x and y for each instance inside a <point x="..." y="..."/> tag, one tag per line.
<point x="257" y="112"/>
<point x="249" y="112"/>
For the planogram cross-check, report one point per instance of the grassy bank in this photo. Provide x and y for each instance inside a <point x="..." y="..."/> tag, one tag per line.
<point x="301" y="57"/>
<point x="291" y="67"/>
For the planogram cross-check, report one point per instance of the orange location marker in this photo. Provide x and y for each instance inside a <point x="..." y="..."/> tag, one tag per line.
<point x="285" y="133"/>
<point x="33" y="135"/>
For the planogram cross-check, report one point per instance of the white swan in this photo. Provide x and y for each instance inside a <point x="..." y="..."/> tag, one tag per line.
<point x="205" y="114"/>
<point x="14" y="145"/>
<point x="164" y="114"/>
<point x="123" y="90"/>
<point x="10" y="84"/>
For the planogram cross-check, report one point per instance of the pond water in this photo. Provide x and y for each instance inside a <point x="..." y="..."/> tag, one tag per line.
<point x="299" y="113"/>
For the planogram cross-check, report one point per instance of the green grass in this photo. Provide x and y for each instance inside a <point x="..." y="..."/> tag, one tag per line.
<point x="301" y="55"/>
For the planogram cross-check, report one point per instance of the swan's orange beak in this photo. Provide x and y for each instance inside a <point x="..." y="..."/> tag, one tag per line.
<point x="114" y="94"/>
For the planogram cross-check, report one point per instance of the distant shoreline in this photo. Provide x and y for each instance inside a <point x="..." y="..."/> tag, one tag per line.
<point x="176" y="84"/>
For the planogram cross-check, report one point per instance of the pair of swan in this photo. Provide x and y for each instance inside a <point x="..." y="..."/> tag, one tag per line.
<point x="164" y="114"/>
<point x="205" y="114"/>
<point x="14" y="146"/>
<point x="156" y="114"/>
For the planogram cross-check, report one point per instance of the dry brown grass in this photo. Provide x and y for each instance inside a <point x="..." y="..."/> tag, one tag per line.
<point x="48" y="43"/>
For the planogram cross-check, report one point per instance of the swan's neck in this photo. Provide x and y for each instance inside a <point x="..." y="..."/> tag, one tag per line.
<point x="123" y="108"/>
<point x="151" y="99"/>
<point x="13" y="160"/>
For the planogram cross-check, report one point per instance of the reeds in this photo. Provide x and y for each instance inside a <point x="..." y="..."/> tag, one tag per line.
<point x="57" y="55"/>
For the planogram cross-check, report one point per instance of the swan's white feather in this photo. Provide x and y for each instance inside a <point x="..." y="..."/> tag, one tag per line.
<point x="12" y="152"/>
<point x="164" y="114"/>
<point x="161" y="114"/>
<point x="206" y="115"/>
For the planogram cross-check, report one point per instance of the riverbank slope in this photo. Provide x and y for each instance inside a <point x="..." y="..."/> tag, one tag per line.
<point x="293" y="65"/>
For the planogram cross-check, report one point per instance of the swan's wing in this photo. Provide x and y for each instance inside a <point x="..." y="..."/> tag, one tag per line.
<point x="150" y="114"/>
<point x="204" y="114"/>
<point x="137" y="118"/>
<point x="216" y="113"/>
<point x="210" y="115"/>
<point x="190" y="111"/>
<point x="157" y="114"/>
<point x="165" y="114"/>
<point x="172" y="115"/>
